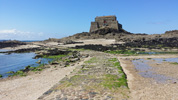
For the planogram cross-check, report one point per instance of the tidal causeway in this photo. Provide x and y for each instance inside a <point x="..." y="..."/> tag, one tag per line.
<point x="107" y="63"/>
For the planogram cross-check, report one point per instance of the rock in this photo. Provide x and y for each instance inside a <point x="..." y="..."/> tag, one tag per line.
<point x="11" y="43"/>
<point x="68" y="42"/>
<point x="74" y="59"/>
<point x="10" y="72"/>
<point x="39" y="61"/>
<point x="66" y="64"/>
<point x="55" y="63"/>
<point x="27" y="69"/>
<point x="38" y="56"/>
<point x="84" y="56"/>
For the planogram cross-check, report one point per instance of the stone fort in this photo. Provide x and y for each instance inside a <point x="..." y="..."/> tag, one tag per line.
<point x="105" y="22"/>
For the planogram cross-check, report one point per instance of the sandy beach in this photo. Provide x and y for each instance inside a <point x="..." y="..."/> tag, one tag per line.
<point x="34" y="85"/>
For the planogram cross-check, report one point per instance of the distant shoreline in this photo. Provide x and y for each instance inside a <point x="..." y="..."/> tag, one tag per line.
<point x="23" y="40"/>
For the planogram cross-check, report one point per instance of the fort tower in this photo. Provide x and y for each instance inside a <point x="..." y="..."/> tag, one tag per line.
<point x="105" y="22"/>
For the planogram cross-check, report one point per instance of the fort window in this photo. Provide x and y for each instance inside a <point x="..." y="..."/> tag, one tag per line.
<point x="104" y="21"/>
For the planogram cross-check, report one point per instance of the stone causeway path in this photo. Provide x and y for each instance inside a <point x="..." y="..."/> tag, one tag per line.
<point x="99" y="78"/>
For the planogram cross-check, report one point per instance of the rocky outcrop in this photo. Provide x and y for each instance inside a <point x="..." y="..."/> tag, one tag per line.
<point x="156" y="42"/>
<point x="105" y="33"/>
<point x="168" y="39"/>
<point x="10" y="43"/>
<point x="173" y="32"/>
<point x="51" y="52"/>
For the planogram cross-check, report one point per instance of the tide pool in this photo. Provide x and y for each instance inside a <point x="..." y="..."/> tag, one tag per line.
<point x="18" y="61"/>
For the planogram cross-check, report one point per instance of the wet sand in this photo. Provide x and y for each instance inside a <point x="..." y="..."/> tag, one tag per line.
<point x="149" y="88"/>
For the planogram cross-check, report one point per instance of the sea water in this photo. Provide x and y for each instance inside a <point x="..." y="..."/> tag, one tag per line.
<point x="144" y="69"/>
<point x="18" y="61"/>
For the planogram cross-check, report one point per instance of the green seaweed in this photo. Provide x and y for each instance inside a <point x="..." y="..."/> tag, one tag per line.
<point x="126" y="52"/>
<point x="121" y="81"/>
<point x="1" y="76"/>
<point x="38" y="68"/>
<point x="54" y="56"/>
<point x="10" y="72"/>
<point x="19" y="73"/>
<point x="175" y="63"/>
<point x="92" y="60"/>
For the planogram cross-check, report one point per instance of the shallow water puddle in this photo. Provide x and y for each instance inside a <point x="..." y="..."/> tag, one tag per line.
<point x="144" y="69"/>
<point x="18" y="61"/>
<point x="160" y="60"/>
<point x="4" y="50"/>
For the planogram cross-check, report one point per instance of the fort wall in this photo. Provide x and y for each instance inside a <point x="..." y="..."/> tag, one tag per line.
<point x="105" y="22"/>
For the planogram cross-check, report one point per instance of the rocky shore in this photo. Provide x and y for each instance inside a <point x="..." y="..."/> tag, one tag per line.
<point x="13" y="43"/>
<point x="85" y="67"/>
<point x="41" y="78"/>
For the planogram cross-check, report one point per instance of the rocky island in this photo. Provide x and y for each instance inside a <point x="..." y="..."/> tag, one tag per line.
<point x="106" y="63"/>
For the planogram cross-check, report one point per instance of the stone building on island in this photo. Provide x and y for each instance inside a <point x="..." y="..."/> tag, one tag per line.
<point x="105" y="22"/>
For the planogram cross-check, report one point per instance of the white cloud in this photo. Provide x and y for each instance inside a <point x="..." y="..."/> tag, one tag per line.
<point x="12" y="31"/>
<point x="15" y="34"/>
<point x="19" y="35"/>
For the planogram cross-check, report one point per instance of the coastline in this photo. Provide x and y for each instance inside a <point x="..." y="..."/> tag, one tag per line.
<point x="40" y="82"/>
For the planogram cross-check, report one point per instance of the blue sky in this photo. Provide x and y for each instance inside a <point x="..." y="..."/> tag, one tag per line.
<point x="43" y="19"/>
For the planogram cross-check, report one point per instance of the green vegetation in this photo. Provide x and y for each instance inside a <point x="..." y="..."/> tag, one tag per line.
<point x="23" y="72"/>
<point x="10" y="72"/>
<point x="175" y="63"/>
<point x="0" y="76"/>
<point x="113" y="59"/>
<point x="121" y="81"/>
<point x="91" y="77"/>
<point x="167" y="52"/>
<point x="78" y="49"/>
<point x="20" y="73"/>
<point x="164" y="59"/>
<point x="57" y="58"/>
<point x="63" y="85"/>
<point x="54" y="56"/>
<point x="38" y="68"/>
<point x="75" y="77"/>
<point x="92" y="60"/>
<point x="125" y="52"/>
<point x="113" y="81"/>
<point x="130" y="52"/>
<point x="75" y="80"/>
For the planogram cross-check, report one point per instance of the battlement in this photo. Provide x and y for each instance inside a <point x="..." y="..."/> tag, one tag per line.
<point x="106" y="17"/>
<point x="105" y="22"/>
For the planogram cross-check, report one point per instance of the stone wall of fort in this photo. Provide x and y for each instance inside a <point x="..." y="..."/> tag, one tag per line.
<point x="105" y="22"/>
